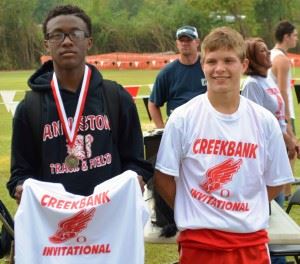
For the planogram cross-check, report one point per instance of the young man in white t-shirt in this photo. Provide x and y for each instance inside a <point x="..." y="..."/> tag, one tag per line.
<point x="286" y="37"/>
<point x="221" y="160"/>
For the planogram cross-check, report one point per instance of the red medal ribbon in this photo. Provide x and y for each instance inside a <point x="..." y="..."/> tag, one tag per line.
<point x="71" y="130"/>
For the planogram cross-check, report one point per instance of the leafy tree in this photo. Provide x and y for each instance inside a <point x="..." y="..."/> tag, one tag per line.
<point x="41" y="9"/>
<point x="269" y="13"/>
<point x="136" y="25"/>
<point x="18" y="34"/>
<point x="132" y="7"/>
<point x="228" y="13"/>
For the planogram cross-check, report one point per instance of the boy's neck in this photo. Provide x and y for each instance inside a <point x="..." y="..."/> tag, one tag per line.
<point x="225" y="103"/>
<point x="70" y="79"/>
<point x="188" y="60"/>
<point x="281" y="47"/>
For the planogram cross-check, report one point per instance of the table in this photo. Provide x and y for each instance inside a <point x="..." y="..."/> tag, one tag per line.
<point x="282" y="229"/>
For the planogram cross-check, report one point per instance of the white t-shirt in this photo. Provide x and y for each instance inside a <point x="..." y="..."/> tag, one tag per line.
<point x="265" y="92"/>
<point x="275" y="52"/>
<point x="222" y="164"/>
<point x="54" y="226"/>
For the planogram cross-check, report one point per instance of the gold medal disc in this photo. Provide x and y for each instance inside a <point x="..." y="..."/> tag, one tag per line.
<point x="71" y="162"/>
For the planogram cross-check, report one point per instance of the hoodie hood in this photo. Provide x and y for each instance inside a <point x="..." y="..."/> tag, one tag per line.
<point x="41" y="79"/>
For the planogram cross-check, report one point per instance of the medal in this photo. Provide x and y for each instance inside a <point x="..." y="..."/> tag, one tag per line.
<point x="71" y="161"/>
<point x="71" y="128"/>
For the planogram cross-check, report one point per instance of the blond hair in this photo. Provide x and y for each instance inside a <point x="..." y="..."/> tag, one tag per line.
<point x="224" y="38"/>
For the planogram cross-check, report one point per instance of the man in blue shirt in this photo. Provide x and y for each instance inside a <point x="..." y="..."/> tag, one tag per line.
<point x="180" y="80"/>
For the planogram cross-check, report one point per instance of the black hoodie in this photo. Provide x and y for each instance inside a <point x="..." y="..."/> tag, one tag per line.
<point x="100" y="157"/>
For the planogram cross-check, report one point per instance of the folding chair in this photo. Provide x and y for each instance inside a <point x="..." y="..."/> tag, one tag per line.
<point x="288" y="250"/>
<point x="6" y="234"/>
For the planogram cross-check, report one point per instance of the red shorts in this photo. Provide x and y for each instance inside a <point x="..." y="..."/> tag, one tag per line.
<point x="245" y="255"/>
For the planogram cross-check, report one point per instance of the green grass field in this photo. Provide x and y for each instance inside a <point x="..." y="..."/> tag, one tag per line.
<point x="155" y="253"/>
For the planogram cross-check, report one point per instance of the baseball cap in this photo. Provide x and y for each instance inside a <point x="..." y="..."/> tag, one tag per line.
<point x="187" y="31"/>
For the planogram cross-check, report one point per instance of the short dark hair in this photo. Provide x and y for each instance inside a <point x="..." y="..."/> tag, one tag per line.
<point x="68" y="10"/>
<point x="282" y="28"/>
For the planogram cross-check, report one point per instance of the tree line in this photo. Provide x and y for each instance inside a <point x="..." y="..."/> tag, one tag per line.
<point x="136" y="25"/>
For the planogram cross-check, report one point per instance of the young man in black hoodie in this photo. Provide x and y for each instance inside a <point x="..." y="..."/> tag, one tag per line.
<point x="76" y="146"/>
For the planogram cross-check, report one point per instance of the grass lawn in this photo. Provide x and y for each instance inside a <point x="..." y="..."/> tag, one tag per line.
<point x="155" y="253"/>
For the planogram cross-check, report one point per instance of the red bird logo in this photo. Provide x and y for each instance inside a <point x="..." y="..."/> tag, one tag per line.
<point x="220" y="174"/>
<point x="70" y="227"/>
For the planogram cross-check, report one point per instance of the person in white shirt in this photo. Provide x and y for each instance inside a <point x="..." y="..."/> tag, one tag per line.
<point x="286" y="36"/>
<point x="261" y="89"/>
<point x="221" y="160"/>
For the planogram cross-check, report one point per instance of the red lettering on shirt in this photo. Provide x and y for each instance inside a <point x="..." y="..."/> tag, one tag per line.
<point x="90" y="122"/>
<point x="77" y="250"/>
<point x="224" y="148"/>
<point x="92" y="200"/>
<point x="238" y="206"/>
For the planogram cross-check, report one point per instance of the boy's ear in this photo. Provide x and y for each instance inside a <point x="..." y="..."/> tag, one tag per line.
<point x="245" y="65"/>
<point x="90" y="43"/>
<point x="285" y="36"/>
<point x="46" y="46"/>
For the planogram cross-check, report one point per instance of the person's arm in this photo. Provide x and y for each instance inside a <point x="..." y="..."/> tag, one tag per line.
<point x="158" y="97"/>
<point x="273" y="191"/>
<point x="24" y="161"/>
<point x="18" y="193"/>
<point x="277" y="168"/>
<point x="280" y="69"/>
<point x="156" y="115"/>
<point x="291" y="145"/>
<point x="294" y="142"/>
<point x="165" y="186"/>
